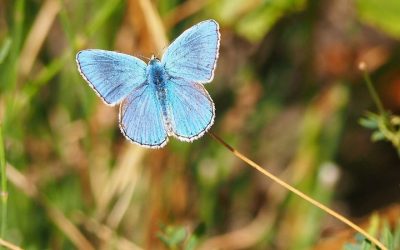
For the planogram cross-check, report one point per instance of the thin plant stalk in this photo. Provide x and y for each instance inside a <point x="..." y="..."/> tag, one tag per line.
<point x="386" y="127"/>
<point x="363" y="67"/>
<point x="3" y="191"/>
<point x="297" y="192"/>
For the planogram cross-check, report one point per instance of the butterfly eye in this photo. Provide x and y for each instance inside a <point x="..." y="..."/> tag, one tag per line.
<point x="154" y="60"/>
<point x="153" y="57"/>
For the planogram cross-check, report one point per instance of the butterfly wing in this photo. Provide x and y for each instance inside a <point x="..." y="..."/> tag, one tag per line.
<point x="190" y="109"/>
<point x="193" y="55"/>
<point x="141" y="119"/>
<point x="112" y="75"/>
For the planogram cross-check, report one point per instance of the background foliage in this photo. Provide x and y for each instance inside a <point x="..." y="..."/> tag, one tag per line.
<point x="288" y="94"/>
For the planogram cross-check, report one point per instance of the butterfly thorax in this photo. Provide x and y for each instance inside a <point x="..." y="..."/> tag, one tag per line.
<point x="156" y="73"/>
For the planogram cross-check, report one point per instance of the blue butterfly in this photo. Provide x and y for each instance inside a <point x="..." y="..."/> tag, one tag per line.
<point x="164" y="97"/>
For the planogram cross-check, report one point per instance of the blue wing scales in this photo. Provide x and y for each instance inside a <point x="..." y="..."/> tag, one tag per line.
<point x="112" y="75"/>
<point x="193" y="55"/>
<point x="190" y="109"/>
<point x="141" y="119"/>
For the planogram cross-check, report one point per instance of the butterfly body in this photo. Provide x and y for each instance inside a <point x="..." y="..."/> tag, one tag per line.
<point x="164" y="97"/>
<point x="157" y="77"/>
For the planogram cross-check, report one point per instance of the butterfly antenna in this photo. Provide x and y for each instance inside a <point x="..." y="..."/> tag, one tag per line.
<point x="160" y="53"/>
<point x="142" y="57"/>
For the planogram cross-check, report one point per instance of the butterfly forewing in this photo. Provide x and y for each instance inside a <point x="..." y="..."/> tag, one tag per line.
<point x="190" y="109"/>
<point x="193" y="55"/>
<point x="112" y="75"/>
<point x="141" y="119"/>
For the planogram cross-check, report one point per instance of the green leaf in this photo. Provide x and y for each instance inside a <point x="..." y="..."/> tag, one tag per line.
<point x="368" y="122"/>
<point x="387" y="236"/>
<point x="192" y="243"/>
<point x="383" y="15"/>
<point x="351" y="247"/>
<point x="396" y="236"/>
<point x="178" y="236"/>
<point x="253" y="19"/>
<point x="359" y="238"/>
<point x="395" y="120"/>
<point x="257" y="23"/>
<point x="366" y="245"/>
<point x="164" y="239"/>
<point x="172" y="236"/>
<point x="377" y="136"/>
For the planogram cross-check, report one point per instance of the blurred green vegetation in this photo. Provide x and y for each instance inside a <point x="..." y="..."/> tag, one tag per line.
<point x="288" y="94"/>
<point x="389" y="237"/>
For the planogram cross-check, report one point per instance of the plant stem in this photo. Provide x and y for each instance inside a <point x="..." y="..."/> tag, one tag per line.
<point x="371" y="89"/>
<point x="3" y="191"/>
<point x="9" y="245"/>
<point x="297" y="192"/>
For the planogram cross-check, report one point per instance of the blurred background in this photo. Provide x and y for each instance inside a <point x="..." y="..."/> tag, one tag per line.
<point x="288" y="94"/>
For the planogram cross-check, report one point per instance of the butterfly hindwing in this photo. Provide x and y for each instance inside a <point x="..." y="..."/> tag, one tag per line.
<point x="193" y="55"/>
<point x="141" y="119"/>
<point x="190" y="109"/>
<point x="112" y="75"/>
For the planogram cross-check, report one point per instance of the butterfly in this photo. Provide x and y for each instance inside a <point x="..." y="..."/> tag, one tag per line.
<point x="165" y="97"/>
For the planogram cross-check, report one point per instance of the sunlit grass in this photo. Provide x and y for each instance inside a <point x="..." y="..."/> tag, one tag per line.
<point x="74" y="182"/>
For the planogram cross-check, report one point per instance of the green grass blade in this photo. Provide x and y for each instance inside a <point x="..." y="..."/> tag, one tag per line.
<point x="5" y="48"/>
<point x="4" y="191"/>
